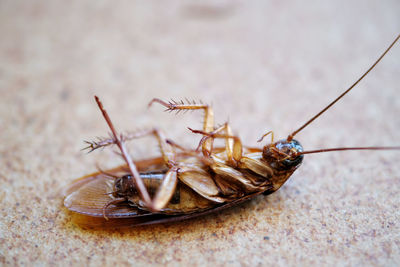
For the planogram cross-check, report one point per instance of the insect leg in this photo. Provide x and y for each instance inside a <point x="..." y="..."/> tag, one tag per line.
<point x="144" y="194"/>
<point x="230" y="179"/>
<point x="166" y="189"/>
<point x="208" y="124"/>
<point x="210" y="136"/>
<point x="200" y="181"/>
<point x="111" y="202"/>
<point x="165" y="148"/>
<point x="167" y="152"/>
<point x="233" y="145"/>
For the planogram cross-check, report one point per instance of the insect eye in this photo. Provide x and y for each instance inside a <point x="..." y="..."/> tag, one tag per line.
<point x="117" y="184"/>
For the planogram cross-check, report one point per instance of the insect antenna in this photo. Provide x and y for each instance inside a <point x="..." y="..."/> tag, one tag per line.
<point x="348" y="148"/>
<point x="290" y="137"/>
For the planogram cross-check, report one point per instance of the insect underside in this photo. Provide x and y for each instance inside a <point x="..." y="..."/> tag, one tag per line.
<point x="183" y="183"/>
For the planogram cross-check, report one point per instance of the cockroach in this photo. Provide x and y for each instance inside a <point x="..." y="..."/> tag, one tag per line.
<point x="185" y="183"/>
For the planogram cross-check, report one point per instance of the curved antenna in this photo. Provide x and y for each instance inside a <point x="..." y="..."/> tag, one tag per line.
<point x="290" y="137"/>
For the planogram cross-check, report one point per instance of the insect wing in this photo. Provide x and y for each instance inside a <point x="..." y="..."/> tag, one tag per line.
<point x="150" y="218"/>
<point x="90" y="194"/>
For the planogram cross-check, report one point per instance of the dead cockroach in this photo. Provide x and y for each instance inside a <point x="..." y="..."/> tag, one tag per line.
<point x="184" y="183"/>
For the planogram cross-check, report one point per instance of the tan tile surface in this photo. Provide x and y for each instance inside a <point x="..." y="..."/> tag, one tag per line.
<point x="263" y="65"/>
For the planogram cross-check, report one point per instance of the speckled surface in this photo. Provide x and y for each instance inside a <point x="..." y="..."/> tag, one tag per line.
<point x="264" y="65"/>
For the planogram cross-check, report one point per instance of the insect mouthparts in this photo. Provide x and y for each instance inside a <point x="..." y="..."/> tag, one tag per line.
<point x="284" y="154"/>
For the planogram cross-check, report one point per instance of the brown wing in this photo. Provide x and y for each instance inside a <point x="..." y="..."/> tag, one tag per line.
<point x="89" y="194"/>
<point x="96" y="222"/>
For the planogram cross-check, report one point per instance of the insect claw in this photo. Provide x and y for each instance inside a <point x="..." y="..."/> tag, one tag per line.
<point x="87" y="148"/>
<point x="91" y="146"/>
<point x="262" y="137"/>
<point x="152" y="101"/>
<point x="199" y="132"/>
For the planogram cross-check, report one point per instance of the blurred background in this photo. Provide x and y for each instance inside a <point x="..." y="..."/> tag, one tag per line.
<point x="262" y="65"/>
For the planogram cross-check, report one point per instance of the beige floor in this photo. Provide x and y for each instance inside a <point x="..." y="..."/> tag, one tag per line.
<point x="264" y="65"/>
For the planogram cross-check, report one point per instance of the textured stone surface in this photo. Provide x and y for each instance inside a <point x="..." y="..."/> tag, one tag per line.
<point x="264" y="65"/>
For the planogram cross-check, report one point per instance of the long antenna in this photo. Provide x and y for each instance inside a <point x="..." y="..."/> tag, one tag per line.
<point x="290" y="137"/>
<point x="348" y="148"/>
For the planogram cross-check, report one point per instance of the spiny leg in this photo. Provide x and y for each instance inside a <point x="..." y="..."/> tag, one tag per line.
<point x="165" y="148"/>
<point x="103" y="142"/>
<point x="167" y="188"/>
<point x="208" y="125"/>
<point x="132" y="167"/>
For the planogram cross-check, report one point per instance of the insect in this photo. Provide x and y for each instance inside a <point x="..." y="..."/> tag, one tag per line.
<point x="185" y="183"/>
